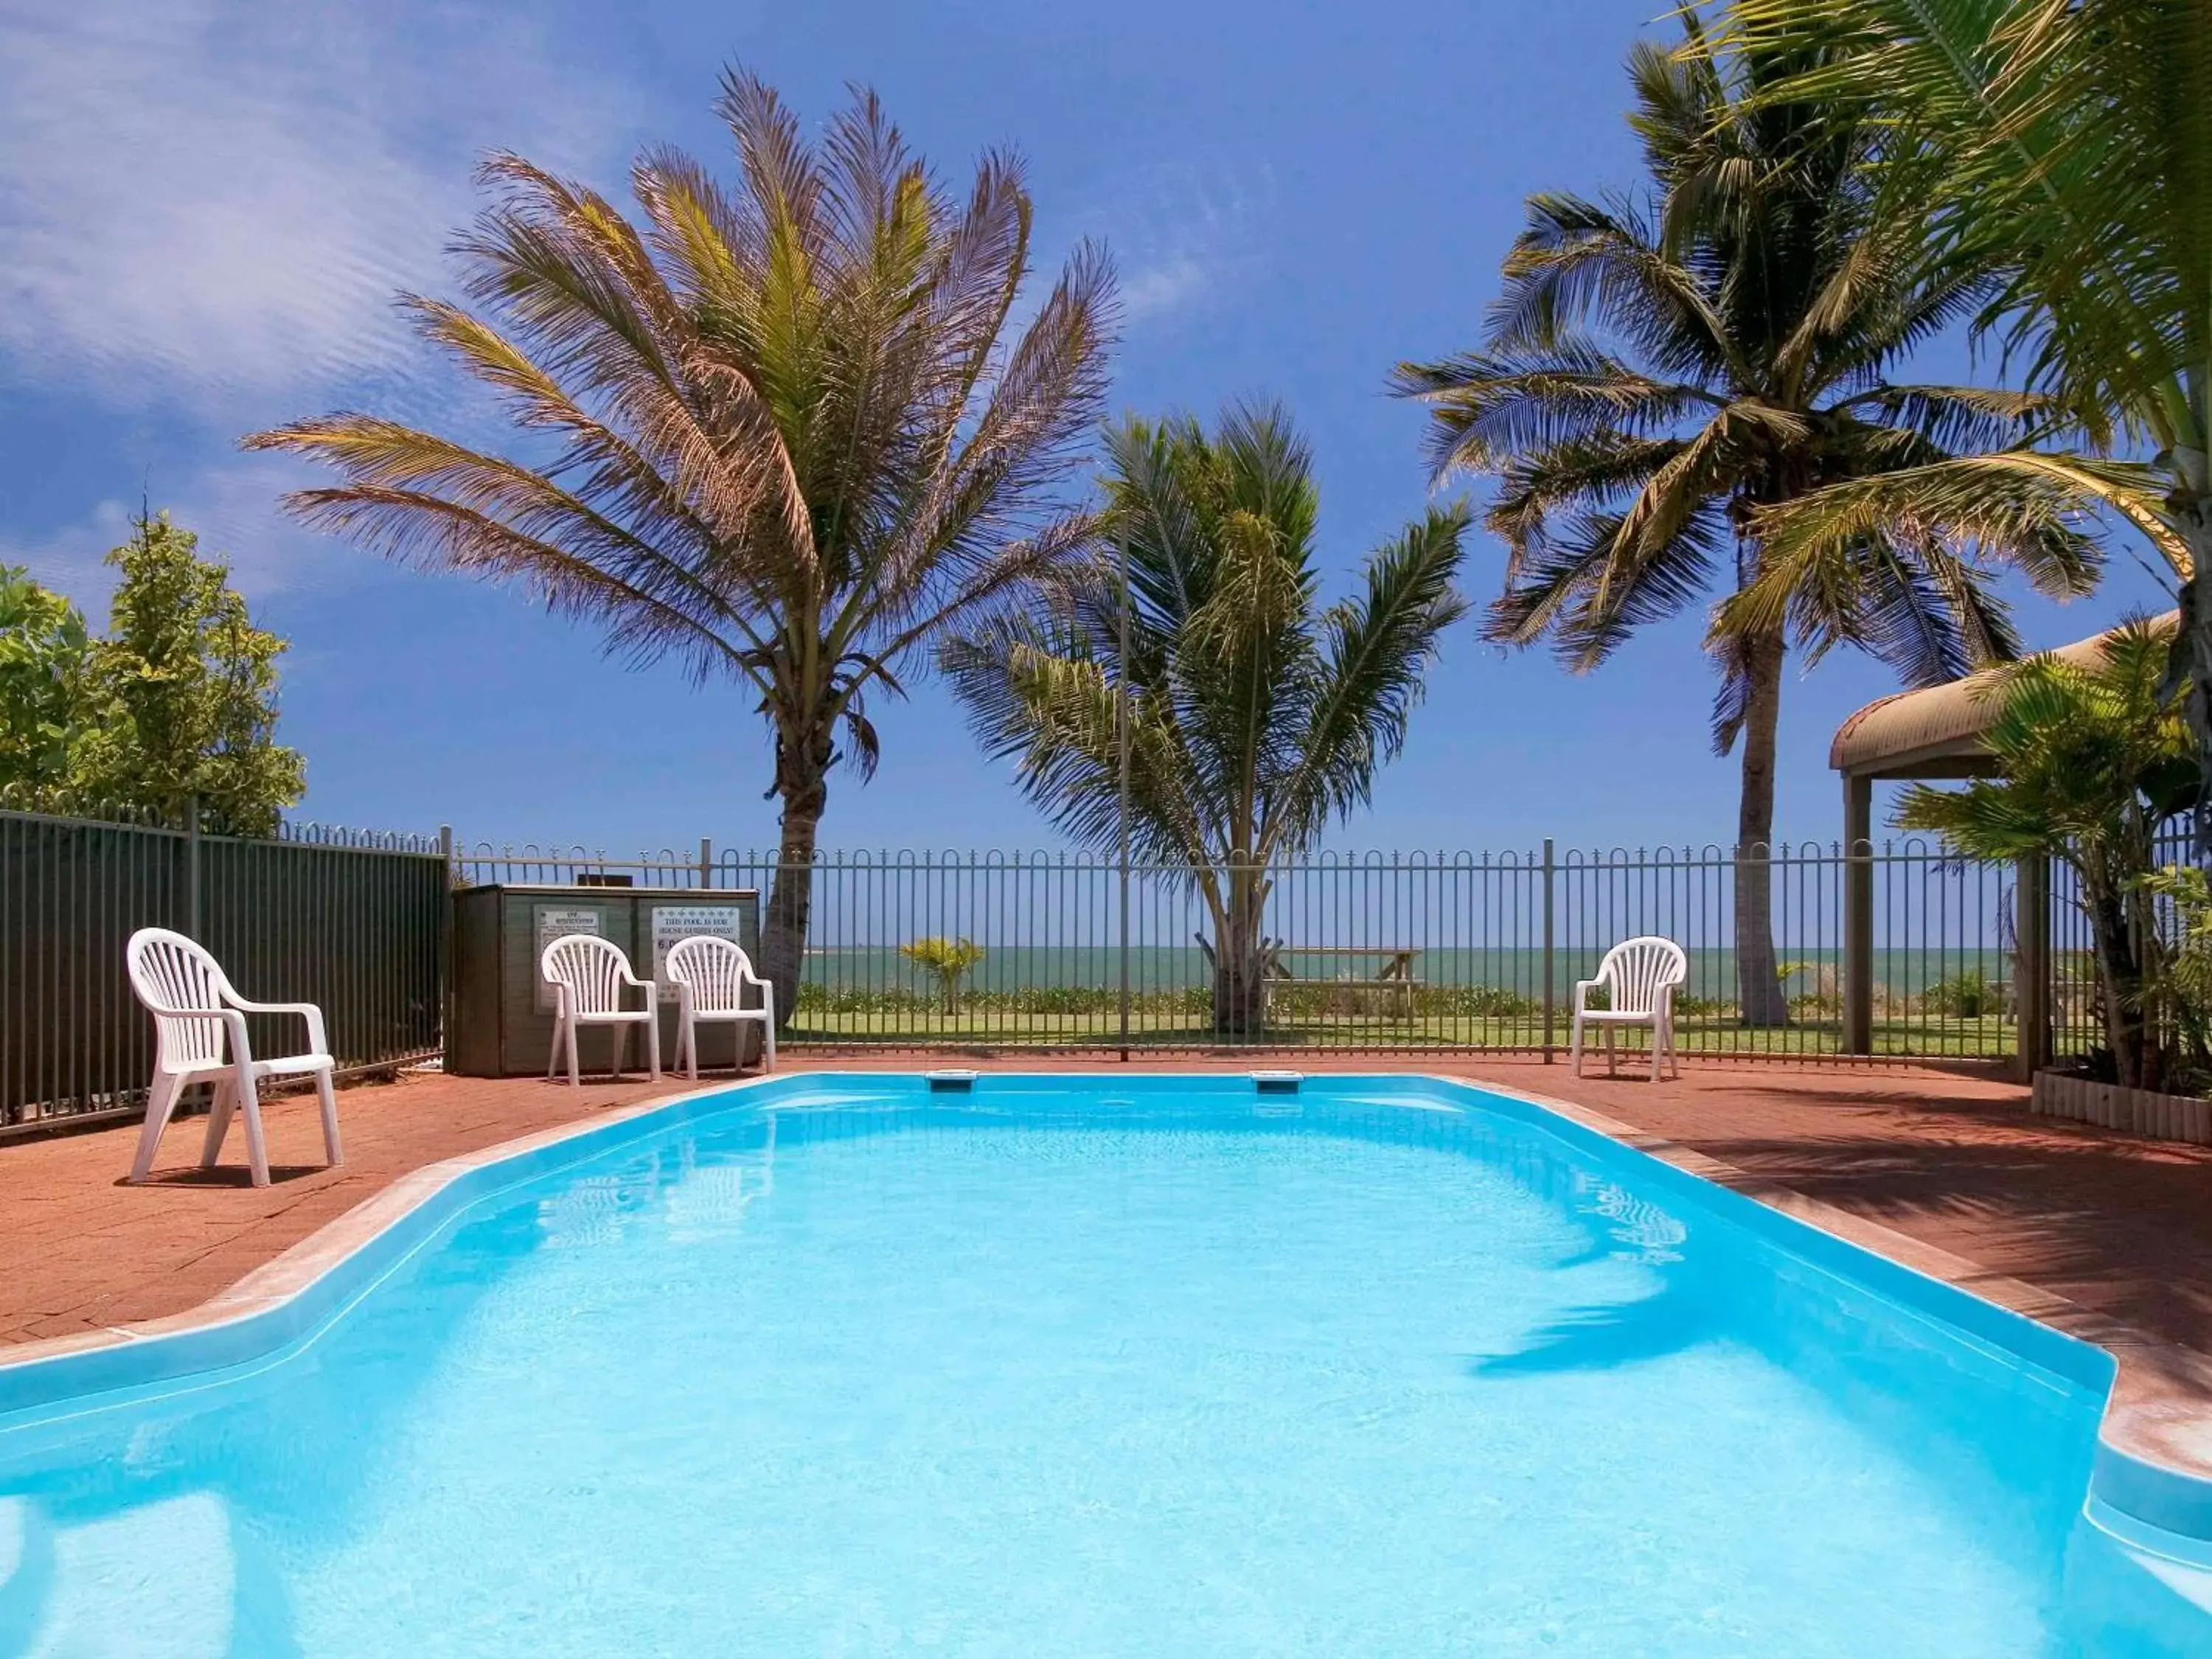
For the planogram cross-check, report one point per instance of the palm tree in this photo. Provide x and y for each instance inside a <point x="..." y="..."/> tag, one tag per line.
<point x="785" y="433"/>
<point x="2092" y="759"/>
<point x="946" y="961"/>
<point x="2062" y="143"/>
<point x="1654" y="374"/>
<point x="1253" y="715"/>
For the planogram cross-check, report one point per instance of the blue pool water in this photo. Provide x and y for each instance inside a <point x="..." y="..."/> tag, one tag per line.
<point x="1146" y="1367"/>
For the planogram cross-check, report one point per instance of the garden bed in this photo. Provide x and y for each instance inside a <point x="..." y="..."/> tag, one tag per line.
<point x="2112" y="1106"/>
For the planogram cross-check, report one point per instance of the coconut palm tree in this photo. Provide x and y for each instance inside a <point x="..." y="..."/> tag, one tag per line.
<point x="2067" y="145"/>
<point x="1657" y="372"/>
<point x="1254" y="716"/>
<point x="785" y="433"/>
<point x="2093" y="758"/>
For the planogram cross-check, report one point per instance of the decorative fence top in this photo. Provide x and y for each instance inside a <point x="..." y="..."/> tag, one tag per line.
<point x="307" y="833"/>
<point x="553" y="855"/>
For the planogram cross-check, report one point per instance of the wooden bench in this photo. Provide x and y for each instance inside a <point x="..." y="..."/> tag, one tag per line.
<point x="1393" y="972"/>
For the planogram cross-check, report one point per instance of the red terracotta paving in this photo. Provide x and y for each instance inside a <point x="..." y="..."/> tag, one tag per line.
<point x="2123" y="1227"/>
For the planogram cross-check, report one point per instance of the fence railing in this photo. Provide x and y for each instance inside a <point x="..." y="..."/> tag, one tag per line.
<point x="353" y="921"/>
<point x="1371" y="951"/>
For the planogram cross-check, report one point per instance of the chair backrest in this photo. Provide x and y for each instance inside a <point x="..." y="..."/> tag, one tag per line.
<point x="1636" y="970"/>
<point x="714" y="968"/>
<point x="592" y="969"/>
<point x="173" y="974"/>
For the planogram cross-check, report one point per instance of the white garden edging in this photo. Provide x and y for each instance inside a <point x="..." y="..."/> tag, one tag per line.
<point x="2137" y="1111"/>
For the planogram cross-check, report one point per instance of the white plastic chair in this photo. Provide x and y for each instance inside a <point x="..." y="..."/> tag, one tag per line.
<point x="199" y="1037"/>
<point x="587" y="975"/>
<point x="711" y="976"/>
<point x="1640" y="976"/>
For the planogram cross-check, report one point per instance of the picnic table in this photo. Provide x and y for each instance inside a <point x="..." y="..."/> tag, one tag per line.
<point x="1393" y="970"/>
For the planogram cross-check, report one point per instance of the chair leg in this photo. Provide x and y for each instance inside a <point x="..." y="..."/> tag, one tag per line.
<point x="767" y="1032"/>
<point x="653" y="1046"/>
<point x="1654" y="1051"/>
<point x="330" y="1099"/>
<point x="575" y="1082"/>
<point x="219" y="1115"/>
<point x="553" y="1058"/>
<point x="687" y="1048"/>
<point x="161" y="1102"/>
<point x="618" y="1033"/>
<point x="1612" y="1059"/>
<point x="257" y="1147"/>
<point x="1575" y="1045"/>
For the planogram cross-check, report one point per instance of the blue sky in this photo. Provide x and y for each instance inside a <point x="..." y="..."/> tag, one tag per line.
<point x="207" y="208"/>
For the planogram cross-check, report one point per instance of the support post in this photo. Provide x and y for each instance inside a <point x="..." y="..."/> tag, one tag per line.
<point x="446" y="994"/>
<point x="2032" y="967"/>
<point x="1858" y="915"/>
<point x="706" y="863"/>
<point x="1551" y="994"/>
<point x="1121" y="761"/>
<point x="192" y="866"/>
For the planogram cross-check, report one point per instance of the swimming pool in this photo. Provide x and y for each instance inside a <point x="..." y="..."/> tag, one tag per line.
<point x="837" y="1365"/>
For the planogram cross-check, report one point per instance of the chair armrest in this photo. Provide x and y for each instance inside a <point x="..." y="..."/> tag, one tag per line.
<point x="318" y="1043"/>
<point x="651" y="988"/>
<point x="1582" y="989"/>
<point x="231" y="1020"/>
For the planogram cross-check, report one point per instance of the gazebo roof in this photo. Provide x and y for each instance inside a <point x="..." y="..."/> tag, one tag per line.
<point x="1937" y="732"/>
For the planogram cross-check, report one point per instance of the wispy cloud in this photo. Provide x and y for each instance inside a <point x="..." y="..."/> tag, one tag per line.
<point x="200" y="201"/>
<point x="1180" y="238"/>
<point x="1153" y="289"/>
<point x="232" y="508"/>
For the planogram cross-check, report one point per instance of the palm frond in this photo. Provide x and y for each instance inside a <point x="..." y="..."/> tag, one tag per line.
<point x="796" y="430"/>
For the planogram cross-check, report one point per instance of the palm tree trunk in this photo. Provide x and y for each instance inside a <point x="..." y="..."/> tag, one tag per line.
<point x="2119" y="984"/>
<point x="1240" y="990"/>
<point x="2189" y="668"/>
<point x="1758" y="986"/>
<point x="802" y="770"/>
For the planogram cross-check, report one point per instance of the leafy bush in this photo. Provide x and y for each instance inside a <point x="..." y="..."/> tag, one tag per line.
<point x="1967" y="994"/>
<point x="178" y="702"/>
<point x="1477" y="1001"/>
<point x="899" y="1002"/>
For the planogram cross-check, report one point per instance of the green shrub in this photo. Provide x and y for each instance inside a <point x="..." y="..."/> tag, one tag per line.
<point x="1967" y="994"/>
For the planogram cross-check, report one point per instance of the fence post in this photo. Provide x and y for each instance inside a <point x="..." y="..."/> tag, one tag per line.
<point x="1551" y="997"/>
<point x="2031" y="973"/>
<point x="448" y="996"/>
<point x="1858" y="915"/>
<point x="192" y="867"/>
<point x="706" y="863"/>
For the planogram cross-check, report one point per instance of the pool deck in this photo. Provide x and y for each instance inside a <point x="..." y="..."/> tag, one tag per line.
<point x="2097" y="1233"/>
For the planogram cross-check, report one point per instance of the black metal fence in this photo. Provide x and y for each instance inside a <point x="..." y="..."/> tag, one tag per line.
<point x="1371" y="951"/>
<point x="355" y="921"/>
<point x="2077" y="1014"/>
<point x="1376" y="952"/>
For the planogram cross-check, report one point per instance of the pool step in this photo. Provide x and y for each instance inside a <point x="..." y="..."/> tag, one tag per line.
<point x="160" y="1578"/>
<point x="27" y="1572"/>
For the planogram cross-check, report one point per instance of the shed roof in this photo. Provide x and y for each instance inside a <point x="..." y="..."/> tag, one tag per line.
<point x="1937" y="732"/>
